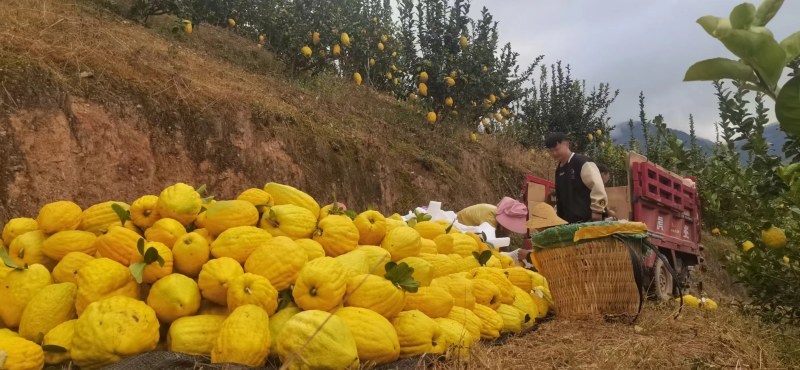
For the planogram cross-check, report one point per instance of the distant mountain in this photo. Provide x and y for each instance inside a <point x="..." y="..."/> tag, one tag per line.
<point x="622" y="135"/>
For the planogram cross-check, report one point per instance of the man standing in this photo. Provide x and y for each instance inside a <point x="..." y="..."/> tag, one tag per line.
<point x="580" y="193"/>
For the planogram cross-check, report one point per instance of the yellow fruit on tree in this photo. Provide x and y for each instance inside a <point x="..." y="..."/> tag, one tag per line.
<point x="144" y="211"/>
<point x="380" y="46"/>
<point x="463" y="42"/>
<point x="423" y="90"/>
<point x="102" y="278"/>
<point x="337" y="50"/>
<point x="423" y="76"/>
<point x="252" y="289"/>
<point x="279" y="260"/>
<point x="190" y="252"/>
<point x="194" y="334"/>
<point x="51" y="306"/>
<point x="231" y="22"/>
<point x="226" y="214"/>
<point x="357" y="78"/>
<point x="66" y="269"/>
<point x="60" y="336"/>
<point x="215" y="278"/>
<point x="371" y="62"/>
<point x="17" y="290"/>
<point x="321" y="284"/>
<point x="174" y="296"/>
<point x="345" y="39"/>
<point x="747" y="245"/>
<point x="305" y="50"/>
<point x="450" y="81"/>
<point x="112" y="329"/>
<point x="337" y="234"/>
<point x="773" y="237"/>
<point x="315" y="38"/>
<point x="166" y="231"/>
<point x="316" y="339"/>
<point x="59" y="216"/>
<point x="448" y="101"/>
<point x="431" y="116"/>
<point x="418" y="334"/>
<point x="376" y="339"/>
<point x="16" y="227"/>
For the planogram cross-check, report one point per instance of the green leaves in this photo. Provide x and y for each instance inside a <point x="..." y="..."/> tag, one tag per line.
<point x="760" y="51"/>
<point x="285" y="298"/>
<point x="742" y="16"/>
<point x="787" y="107"/>
<point x="123" y="214"/>
<point x="149" y="256"/>
<point x="401" y="275"/>
<point x="483" y="257"/>
<point x="791" y="46"/>
<point x="718" y="69"/>
<point x="418" y="217"/>
<point x="8" y="261"/>
<point x="766" y="10"/>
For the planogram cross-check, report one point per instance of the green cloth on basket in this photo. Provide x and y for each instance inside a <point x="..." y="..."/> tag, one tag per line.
<point x="564" y="235"/>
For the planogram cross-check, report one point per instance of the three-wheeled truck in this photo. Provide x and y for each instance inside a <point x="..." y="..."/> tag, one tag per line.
<point x="664" y="201"/>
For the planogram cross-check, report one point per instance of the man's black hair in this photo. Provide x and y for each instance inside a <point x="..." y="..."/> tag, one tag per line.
<point x="602" y="168"/>
<point x="554" y="139"/>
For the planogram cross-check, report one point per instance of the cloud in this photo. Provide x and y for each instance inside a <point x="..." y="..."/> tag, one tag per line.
<point x="633" y="45"/>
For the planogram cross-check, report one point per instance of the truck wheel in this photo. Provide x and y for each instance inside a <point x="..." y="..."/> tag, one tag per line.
<point x="662" y="281"/>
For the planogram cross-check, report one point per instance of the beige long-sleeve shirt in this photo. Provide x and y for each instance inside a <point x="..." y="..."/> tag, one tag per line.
<point x="590" y="175"/>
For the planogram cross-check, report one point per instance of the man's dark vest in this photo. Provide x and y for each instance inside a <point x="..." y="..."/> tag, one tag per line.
<point x="573" y="197"/>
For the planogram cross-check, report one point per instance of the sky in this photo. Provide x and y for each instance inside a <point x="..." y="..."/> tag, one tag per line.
<point x="633" y="45"/>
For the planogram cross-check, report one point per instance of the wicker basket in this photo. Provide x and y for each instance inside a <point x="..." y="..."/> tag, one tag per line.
<point x="591" y="280"/>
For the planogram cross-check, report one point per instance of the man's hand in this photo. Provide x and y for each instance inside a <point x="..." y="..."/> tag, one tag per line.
<point x="597" y="216"/>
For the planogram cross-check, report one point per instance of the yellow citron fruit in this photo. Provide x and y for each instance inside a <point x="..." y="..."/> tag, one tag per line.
<point x="60" y="336"/>
<point x="512" y="317"/>
<point x="174" y="296"/>
<point x="440" y="263"/>
<point x="190" y="252"/>
<point x="252" y="289"/>
<point x="412" y="96"/>
<point x="18" y="288"/>
<point x="380" y="46"/>
<point x="375" y="258"/>
<point x="315" y="38"/>
<point x="371" y="61"/>
<point x="102" y="278"/>
<point x="67" y="269"/>
<point x="187" y="26"/>
<point x="450" y="81"/>
<point x="599" y="132"/>
<point x="239" y="242"/>
<point x="389" y="75"/>
<point x="277" y="322"/>
<point x="231" y="22"/>
<point x="486" y="293"/>
<point x="715" y="231"/>
<point x="423" y="89"/>
<point x="375" y="293"/>
<point x="261" y="38"/>
<point x="371" y="227"/>
<point x="484" y="69"/>
<point x="520" y="277"/>
<point x="431" y="116"/>
<point x="492" y="98"/>
<point x="456" y="243"/>
<point x="279" y="260"/>
<point x="394" y="54"/>
<point x="257" y="197"/>
<point x="505" y="112"/>
<point x="423" y="270"/>
<point x="498" y="277"/>
<point x="468" y="318"/>
<point x="112" y="329"/>
<point x="17" y="353"/>
<point x="432" y="301"/>
<point x="429" y="229"/>
<point x="165" y="231"/>
<point x="524" y="302"/>
<point x="316" y="339"/>
<point x="289" y="220"/>
<point x="337" y="50"/>
<point x="59" y="216"/>
<point x="423" y="76"/>
<point x="491" y="321"/>
<point x="456" y="336"/>
<point x="357" y="78"/>
<point x="51" y="306"/>
<point x="144" y="211"/>
<point x="194" y="334"/>
<point x="215" y="278"/>
<point x="376" y="339"/>
<point x="28" y="249"/>
<point x="345" y="39"/>
<point x="448" y="101"/>
<point x="354" y="262"/>
<point x="118" y="244"/>
<point x="337" y="234"/>
<point x="418" y="334"/>
<point x="774" y="237"/>
<point x="180" y="202"/>
<point x="226" y="214"/>
<point x="542" y="299"/>
<point x="402" y="242"/>
<point x="285" y="194"/>
<point x="498" y="116"/>
<point x="427" y="246"/>
<point x="459" y="287"/>
<point x="321" y="284"/>
<point x="384" y="38"/>
<point x="305" y="50"/>
<point x="18" y="226"/>
<point x="747" y="245"/>
<point x="313" y="248"/>
<point x="463" y="42"/>
<point x="155" y="270"/>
